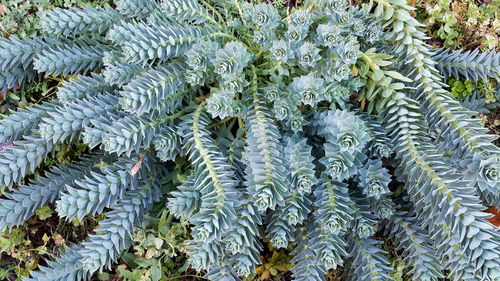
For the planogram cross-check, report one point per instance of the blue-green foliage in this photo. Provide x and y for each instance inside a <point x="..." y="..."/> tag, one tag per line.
<point x="333" y="217"/>
<point x="167" y="144"/>
<point x="78" y="21"/>
<point x="470" y="64"/>
<point x="319" y="132"/>
<point x="16" y="52"/>
<point x="79" y="262"/>
<point x="23" y="158"/>
<point x="70" y="57"/>
<point x="187" y="10"/>
<point x="478" y="103"/>
<point x="148" y="91"/>
<point x="98" y="190"/>
<point x="368" y="261"/>
<point x="65" y="122"/>
<point x="266" y="180"/>
<point x="16" y="60"/>
<point x="22" y="121"/>
<point x="136" y="8"/>
<point x="21" y="203"/>
<point x="81" y="87"/>
<point x="157" y="43"/>
<point x="416" y="245"/>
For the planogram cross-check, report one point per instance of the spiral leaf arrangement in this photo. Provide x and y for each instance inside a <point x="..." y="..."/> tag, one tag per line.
<point x="294" y="130"/>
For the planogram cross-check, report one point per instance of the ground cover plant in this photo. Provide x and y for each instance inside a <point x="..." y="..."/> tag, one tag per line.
<point x="473" y="24"/>
<point x="25" y="246"/>
<point x="313" y="130"/>
<point x="21" y="18"/>
<point x="468" y="25"/>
